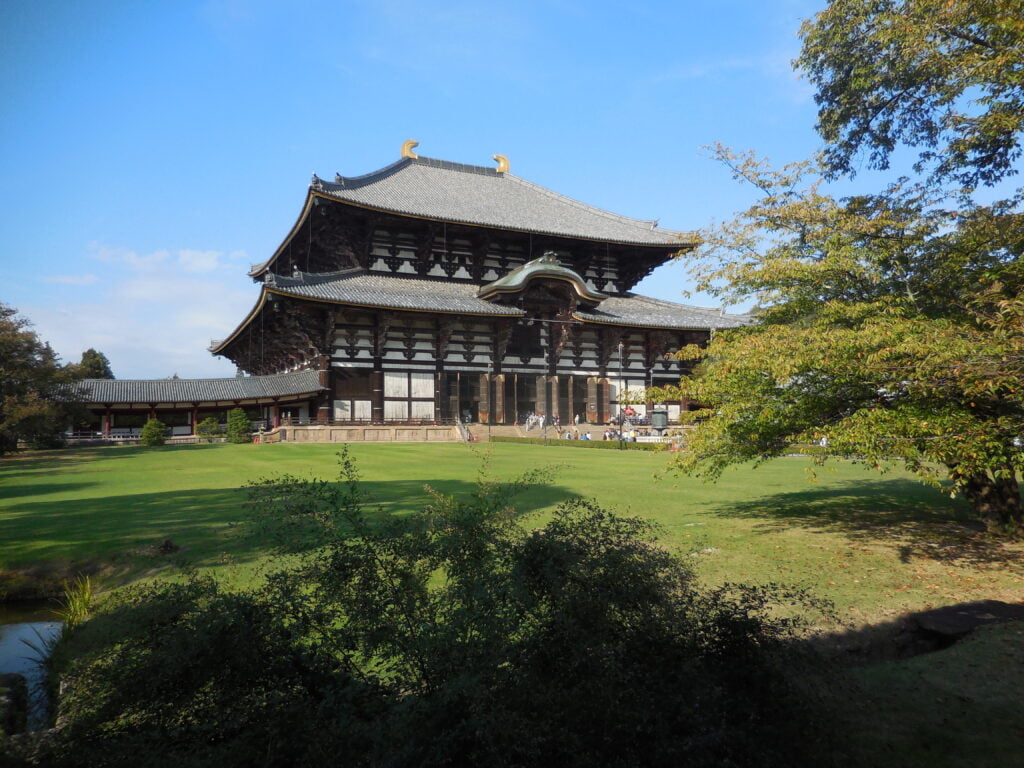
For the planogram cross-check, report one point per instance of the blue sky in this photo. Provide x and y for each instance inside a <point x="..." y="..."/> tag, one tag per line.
<point x="151" y="151"/>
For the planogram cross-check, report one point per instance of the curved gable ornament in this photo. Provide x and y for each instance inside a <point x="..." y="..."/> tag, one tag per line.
<point x="545" y="268"/>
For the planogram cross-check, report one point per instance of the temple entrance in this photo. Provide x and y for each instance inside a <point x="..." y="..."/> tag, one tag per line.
<point x="469" y="397"/>
<point x="525" y="388"/>
<point x="579" y="399"/>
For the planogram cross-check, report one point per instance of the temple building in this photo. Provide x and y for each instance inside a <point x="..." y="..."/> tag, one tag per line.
<point x="431" y="292"/>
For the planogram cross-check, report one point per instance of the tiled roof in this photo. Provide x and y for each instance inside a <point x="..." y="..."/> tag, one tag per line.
<point x="196" y="390"/>
<point x="546" y="266"/>
<point x="642" y="311"/>
<point x="360" y="288"/>
<point x="438" y="189"/>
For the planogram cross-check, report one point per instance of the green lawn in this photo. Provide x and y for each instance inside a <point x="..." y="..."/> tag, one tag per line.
<point x="876" y="545"/>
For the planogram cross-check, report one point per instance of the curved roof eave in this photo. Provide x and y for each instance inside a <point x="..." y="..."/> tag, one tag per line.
<point x="266" y="291"/>
<point x="313" y="193"/>
<point x="259" y="269"/>
<point x="218" y="348"/>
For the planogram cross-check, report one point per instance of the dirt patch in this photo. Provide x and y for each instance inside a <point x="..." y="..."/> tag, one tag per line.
<point x="913" y="634"/>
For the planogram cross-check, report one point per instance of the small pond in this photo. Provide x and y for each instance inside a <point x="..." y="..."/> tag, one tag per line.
<point x="26" y="632"/>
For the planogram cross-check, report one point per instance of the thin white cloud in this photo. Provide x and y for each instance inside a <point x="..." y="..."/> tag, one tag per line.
<point x="153" y="314"/>
<point x="70" y="279"/>
<point x="127" y="257"/>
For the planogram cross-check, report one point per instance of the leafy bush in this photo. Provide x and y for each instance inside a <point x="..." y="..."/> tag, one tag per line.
<point x="456" y="636"/>
<point x="154" y="432"/>
<point x="239" y="428"/>
<point x="208" y="429"/>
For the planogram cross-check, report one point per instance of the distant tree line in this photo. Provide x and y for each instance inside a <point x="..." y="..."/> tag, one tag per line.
<point x="35" y="405"/>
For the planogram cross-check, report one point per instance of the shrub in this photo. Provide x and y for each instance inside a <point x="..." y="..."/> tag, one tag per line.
<point x="154" y="432"/>
<point x="239" y="428"/>
<point x="208" y="429"/>
<point x="474" y="637"/>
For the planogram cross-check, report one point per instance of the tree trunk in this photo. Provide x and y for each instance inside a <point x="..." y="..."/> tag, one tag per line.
<point x="996" y="501"/>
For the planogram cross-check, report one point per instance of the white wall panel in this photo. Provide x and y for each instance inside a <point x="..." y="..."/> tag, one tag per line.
<point x="422" y="409"/>
<point x="423" y="385"/>
<point x="396" y="410"/>
<point x="396" y="384"/>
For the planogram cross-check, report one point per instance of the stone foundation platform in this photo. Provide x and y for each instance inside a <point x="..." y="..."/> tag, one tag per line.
<point x="364" y="434"/>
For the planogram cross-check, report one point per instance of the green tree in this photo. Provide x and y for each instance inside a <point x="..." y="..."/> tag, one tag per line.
<point x="94" y="365"/>
<point x="35" y="400"/>
<point x="882" y="329"/>
<point x="154" y="432"/>
<point x="891" y="324"/>
<point x="239" y="428"/>
<point x="944" y="76"/>
<point x="208" y="428"/>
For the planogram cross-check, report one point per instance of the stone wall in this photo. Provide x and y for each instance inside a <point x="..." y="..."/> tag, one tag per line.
<point x="369" y="434"/>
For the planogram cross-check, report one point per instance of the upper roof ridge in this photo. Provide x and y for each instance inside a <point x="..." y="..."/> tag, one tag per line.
<point x="653" y="223"/>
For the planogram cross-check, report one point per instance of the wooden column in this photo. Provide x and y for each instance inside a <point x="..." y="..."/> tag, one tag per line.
<point x="570" y="406"/>
<point x="107" y="419"/>
<point x="605" y="398"/>
<point x="648" y="383"/>
<point x="498" y="406"/>
<point x="377" y="396"/>
<point x="453" y="395"/>
<point x="152" y="411"/>
<point x="541" y="394"/>
<point x="275" y="417"/>
<point x="195" y="418"/>
<point x="438" y="384"/>
<point x="326" y="397"/>
<point x="484" y="408"/>
<point x="552" y="392"/>
<point x="593" y="400"/>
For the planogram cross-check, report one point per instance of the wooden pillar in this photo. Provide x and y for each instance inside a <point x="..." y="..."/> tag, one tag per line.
<point x="541" y="394"/>
<point x="605" y="398"/>
<point x="593" y="400"/>
<point x="107" y="421"/>
<point x="570" y="406"/>
<point x="484" y="408"/>
<point x="552" y="392"/>
<point x="275" y="417"/>
<point x="377" y="396"/>
<point x="152" y="411"/>
<point x="195" y="418"/>
<point x="438" y="385"/>
<point x="648" y="383"/>
<point x="498" y="405"/>
<point x="453" y="396"/>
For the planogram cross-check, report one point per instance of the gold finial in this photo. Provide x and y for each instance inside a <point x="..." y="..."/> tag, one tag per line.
<point x="502" y="163"/>
<point x="408" y="147"/>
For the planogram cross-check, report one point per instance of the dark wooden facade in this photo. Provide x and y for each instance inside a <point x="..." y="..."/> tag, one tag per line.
<point x="387" y="307"/>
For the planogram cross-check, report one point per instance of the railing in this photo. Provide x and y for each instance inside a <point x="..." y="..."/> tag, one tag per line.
<point x="291" y="421"/>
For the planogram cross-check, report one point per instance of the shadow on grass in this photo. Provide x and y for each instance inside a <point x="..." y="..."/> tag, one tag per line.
<point x="15" y="464"/>
<point x="207" y="525"/>
<point x="39" y="489"/>
<point x="920" y="521"/>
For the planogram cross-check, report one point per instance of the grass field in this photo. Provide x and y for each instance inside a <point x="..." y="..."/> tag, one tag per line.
<point x="876" y="545"/>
